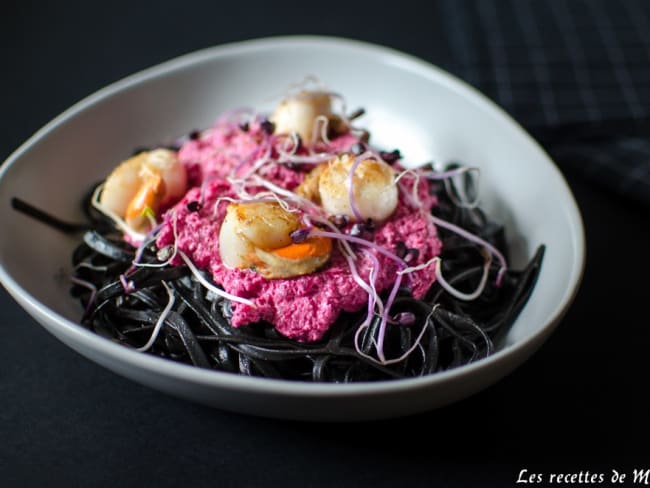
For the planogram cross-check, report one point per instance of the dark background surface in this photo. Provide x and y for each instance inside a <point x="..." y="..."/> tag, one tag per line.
<point x="579" y="404"/>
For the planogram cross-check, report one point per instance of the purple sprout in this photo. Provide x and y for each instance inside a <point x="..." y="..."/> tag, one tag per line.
<point x="391" y="157"/>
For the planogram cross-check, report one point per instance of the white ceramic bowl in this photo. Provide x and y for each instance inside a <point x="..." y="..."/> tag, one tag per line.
<point x="410" y="104"/>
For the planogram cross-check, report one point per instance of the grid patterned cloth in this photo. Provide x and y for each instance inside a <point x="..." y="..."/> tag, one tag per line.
<point x="575" y="73"/>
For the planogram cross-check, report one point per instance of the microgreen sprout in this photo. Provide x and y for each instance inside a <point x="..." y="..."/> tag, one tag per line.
<point x="161" y="319"/>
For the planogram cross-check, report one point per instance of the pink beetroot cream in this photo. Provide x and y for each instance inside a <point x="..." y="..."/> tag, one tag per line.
<point x="302" y="308"/>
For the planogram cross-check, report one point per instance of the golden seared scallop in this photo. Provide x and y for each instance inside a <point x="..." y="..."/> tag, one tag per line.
<point x="374" y="193"/>
<point x="147" y="181"/>
<point x="257" y="236"/>
<point x="298" y="114"/>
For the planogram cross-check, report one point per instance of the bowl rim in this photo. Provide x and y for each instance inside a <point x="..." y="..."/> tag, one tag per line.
<point x="214" y="378"/>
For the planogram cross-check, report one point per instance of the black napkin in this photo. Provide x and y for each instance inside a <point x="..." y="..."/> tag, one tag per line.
<point x="575" y="73"/>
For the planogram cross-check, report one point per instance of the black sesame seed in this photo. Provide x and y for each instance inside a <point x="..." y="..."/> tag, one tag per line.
<point x="194" y="206"/>
<point x="357" y="113"/>
<point x="267" y="126"/>
<point x="194" y="135"/>
<point x="391" y="157"/>
<point x="244" y="126"/>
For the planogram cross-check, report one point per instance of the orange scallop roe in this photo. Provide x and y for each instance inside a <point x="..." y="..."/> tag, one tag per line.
<point x="310" y="248"/>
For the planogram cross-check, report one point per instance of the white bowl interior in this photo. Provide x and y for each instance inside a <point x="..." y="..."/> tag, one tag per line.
<point x="410" y="105"/>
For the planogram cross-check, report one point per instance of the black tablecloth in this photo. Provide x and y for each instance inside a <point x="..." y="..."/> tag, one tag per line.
<point x="578" y="405"/>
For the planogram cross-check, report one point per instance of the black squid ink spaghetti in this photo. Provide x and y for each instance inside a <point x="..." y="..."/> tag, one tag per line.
<point x="288" y="246"/>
